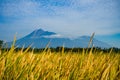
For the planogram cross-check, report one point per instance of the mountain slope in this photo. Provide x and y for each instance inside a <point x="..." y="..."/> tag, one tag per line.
<point x="40" y="38"/>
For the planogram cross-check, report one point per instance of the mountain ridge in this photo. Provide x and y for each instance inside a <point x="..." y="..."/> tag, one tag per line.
<point x="40" y="38"/>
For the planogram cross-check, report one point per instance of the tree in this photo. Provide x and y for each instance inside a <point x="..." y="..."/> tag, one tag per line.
<point x="1" y="43"/>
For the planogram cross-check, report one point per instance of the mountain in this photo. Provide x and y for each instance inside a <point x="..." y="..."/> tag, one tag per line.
<point x="40" y="39"/>
<point x="40" y="33"/>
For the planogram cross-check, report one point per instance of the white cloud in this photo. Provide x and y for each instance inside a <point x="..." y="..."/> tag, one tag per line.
<point x="80" y="17"/>
<point x="54" y="36"/>
<point x="21" y="8"/>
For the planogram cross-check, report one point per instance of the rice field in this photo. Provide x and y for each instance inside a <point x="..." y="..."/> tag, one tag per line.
<point x="47" y="65"/>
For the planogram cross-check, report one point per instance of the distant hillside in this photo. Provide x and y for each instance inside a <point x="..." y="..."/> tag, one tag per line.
<point x="40" y="38"/>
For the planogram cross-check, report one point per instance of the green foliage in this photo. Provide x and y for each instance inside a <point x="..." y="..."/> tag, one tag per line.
<point x="1" y="42"/>
<point x="47" y="65"/>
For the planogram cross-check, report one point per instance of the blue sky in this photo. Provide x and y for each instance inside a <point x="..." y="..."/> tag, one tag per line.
<point x="71" y="18"/>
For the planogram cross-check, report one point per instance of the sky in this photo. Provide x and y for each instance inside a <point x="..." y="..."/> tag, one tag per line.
<point x="71" y="18"/>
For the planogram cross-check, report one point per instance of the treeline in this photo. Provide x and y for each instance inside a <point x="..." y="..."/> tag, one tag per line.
<point x="1" y="42"/>
<point x="59" y="49"/>
<point x="65" y="49"/>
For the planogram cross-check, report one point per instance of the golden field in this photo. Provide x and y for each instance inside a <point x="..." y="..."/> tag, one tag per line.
<point x="47" y="65"/>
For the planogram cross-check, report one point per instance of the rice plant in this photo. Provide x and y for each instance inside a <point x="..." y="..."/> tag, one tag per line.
<point x="47" y="65"/>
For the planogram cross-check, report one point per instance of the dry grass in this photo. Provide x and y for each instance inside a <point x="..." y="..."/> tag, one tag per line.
<point x="24" y="65"/>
